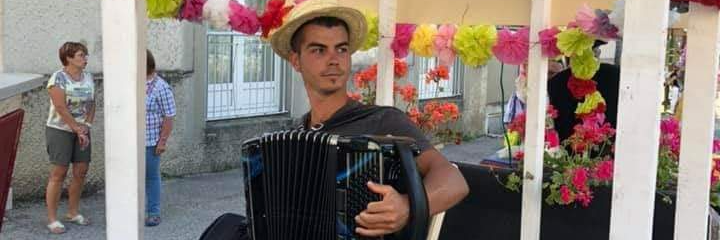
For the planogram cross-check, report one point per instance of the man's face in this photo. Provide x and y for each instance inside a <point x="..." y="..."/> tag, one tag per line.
<point x="323" y="59"/>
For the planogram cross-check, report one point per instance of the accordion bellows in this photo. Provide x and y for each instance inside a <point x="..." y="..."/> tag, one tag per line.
<point x="311" y="185"/>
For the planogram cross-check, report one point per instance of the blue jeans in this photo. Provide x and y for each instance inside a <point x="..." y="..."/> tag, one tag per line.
<point x="153" y="182"/>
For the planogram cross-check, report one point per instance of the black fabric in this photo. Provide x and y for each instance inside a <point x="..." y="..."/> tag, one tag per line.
<point x="358" y="119"/>
<point x="608" y="84"/>
<point x="492" y="212"/>
<point x="228" y="226"/>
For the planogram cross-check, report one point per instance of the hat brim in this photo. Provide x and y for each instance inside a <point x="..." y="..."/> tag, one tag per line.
<point x="357" y="28"/>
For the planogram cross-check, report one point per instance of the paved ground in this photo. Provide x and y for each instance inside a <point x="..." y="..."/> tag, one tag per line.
<point x="190" y="204"/>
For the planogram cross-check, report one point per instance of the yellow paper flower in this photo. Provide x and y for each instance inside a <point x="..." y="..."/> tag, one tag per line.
<point x="163" y="8"/>
<point x="422" y="40"/>
<point x="584" y="65"/>
<point x="574" y="41"/>
<point x="371" y="40"/>
<point x="513" y="137"/>
<point x="591" y="102"/>
<point x="474" y="44"/>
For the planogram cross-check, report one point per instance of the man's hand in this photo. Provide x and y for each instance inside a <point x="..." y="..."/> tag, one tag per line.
<point x="384" y="217"/>
<point x="160" y="148"/>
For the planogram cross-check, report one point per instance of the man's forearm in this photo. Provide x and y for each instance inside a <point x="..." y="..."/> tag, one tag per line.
<point x="166" y="129"/>
<point x="444" y="184"/>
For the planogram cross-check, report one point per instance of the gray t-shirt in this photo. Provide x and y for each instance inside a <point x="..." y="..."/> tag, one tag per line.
<point x="382" y="122"/>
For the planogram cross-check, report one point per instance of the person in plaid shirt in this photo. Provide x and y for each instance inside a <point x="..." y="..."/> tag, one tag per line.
<point x="159" y="113"/>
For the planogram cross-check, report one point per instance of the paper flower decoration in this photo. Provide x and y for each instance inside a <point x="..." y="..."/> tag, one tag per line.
<point x="604" y="29"/>
<point x="422" y="40"/>
<point x="163" y="8"/>
<point x="548" y="42"/>
<point x="217" y="12"/>
<point x="573" y="42"/>
<point x="243" y="19"/>
<point x="192" y="10"/>
<point x="373" y="33"/>
<point x="443" y="44"/>
<point x="273" y="16"/>
<point x="585" y="19"/>
<point x="512" y="47"/>
<point x="591" y="102"/>
<point x="585" y="65"/>
<point x="403" y="36"/>
<point x="474" y="44"/>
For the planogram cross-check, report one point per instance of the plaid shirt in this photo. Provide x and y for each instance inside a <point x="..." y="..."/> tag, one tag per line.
<point x="159" y="103"/>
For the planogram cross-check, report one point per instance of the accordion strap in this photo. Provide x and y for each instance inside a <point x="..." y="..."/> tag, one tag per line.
<point x="357" y="113"/>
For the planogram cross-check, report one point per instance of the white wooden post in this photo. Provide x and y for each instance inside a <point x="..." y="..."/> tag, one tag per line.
<point x="535" y="124"/>
<point x="636" y="145"/>
<point x="384" y="89"/>
<point x="698" y="123"/>
<point x="124" y="26"/>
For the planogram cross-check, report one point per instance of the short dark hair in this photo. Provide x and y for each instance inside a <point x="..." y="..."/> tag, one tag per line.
<point x="150" y="63"/>
<point x="321" y="21"/>
<point x="68" y="50"/>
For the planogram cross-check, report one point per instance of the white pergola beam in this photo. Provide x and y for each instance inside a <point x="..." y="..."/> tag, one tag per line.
<point x="386" y="70"/>
<point x="124" y="26"/>
<point x="691" y="217"/>
<point x="638" y="125"/>
<point x="535" y="124"/>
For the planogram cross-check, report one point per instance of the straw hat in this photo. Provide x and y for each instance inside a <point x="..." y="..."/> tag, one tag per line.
<point x="310" y="9"/>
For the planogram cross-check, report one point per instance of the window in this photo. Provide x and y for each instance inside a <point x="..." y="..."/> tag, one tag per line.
<point x="245" y="78"/>
<point x="450" y="88"/>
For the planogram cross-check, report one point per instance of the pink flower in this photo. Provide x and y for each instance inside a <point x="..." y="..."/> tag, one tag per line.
<point x="192" y="10"/>
<point x="585" y="19"/>
<point x="716" y="146"/>
<point x="403" y="36"/>
<point x="604" y="170"/>
<point x="552" y="140"/>
<point x="670" y="126"/>
<point x="519" y="156"/>
<point x="551" y="111"/>
<point x="579" y="179"/>
<point x="566" y="195"/>
<point x="355" y="96"/>
<point x="584" y="197"/>
<point x="548" y="41"/>
<point x="603" y="27"/>
<point x="243" y="19"/>
<point x="443" y="44"/>
<point x="512" y="47"/>
<point x="408" y="93"/>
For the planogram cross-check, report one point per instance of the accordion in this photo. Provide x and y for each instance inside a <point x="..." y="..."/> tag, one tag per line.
<point x="311" y="185"/>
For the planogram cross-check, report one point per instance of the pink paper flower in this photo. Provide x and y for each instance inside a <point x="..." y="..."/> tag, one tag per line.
<point x="403" y="36"/>
<point x="243" y="19"/>
<point x="512" y="47"/>
<point x="548" y="42"/>
<point x="585" y="19"/>
<point x="192" y="11"/>
<point x="603" y="28"/>
<point x="443" y="44"/>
